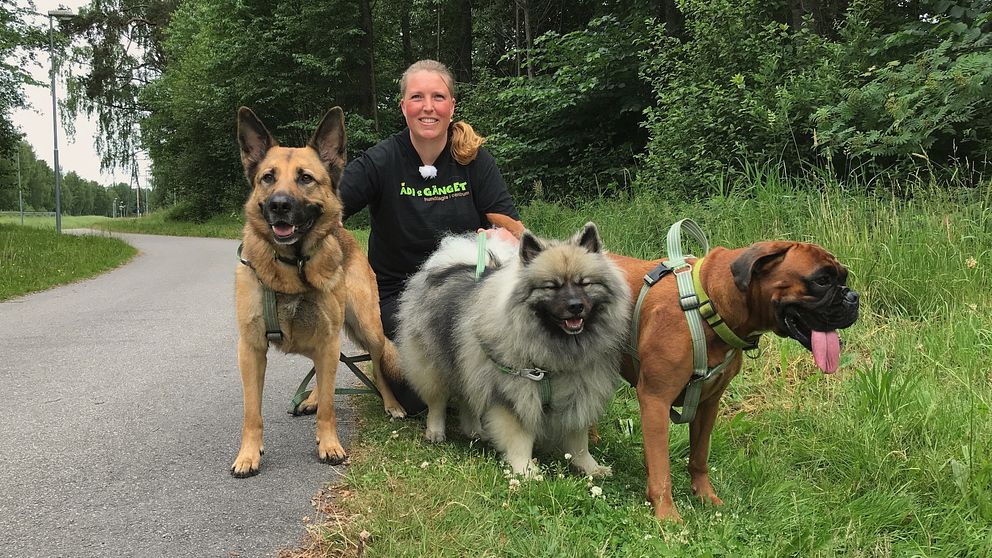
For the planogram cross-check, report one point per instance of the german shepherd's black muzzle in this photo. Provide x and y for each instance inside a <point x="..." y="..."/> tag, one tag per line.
<point x="289" y="217"/>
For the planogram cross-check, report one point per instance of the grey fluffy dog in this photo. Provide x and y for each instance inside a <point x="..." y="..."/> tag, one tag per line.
<point x="529" y="352"/>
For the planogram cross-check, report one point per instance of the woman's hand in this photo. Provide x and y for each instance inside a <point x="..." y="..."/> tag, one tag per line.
<point x="500" y="233"/>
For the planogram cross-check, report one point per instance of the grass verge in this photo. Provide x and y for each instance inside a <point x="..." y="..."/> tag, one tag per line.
<point x="34" y="259"/>
<point x="891" y="456"/>
<point x="48" y="222"/>
<point x="220" y="226"/>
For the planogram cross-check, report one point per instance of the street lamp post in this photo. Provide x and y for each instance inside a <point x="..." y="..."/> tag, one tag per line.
<point x="20" y="193"/>
<point x="60" y="13"/>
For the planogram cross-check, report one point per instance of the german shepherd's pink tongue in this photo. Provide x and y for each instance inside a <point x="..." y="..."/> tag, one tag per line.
<point x="283" y="230"/>
<point x="826" y="350"/>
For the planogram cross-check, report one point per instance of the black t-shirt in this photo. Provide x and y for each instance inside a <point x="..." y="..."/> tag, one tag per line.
<point x="409" y="213"/>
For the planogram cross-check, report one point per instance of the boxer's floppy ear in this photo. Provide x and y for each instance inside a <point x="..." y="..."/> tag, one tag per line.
<point x="758" y="257"/>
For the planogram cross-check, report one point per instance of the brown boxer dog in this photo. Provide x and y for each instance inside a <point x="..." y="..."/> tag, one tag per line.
<point x="792" y="289"/>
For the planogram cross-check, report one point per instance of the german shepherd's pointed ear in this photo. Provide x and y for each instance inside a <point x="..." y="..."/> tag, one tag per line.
<point x="530" y="247"/>
<point x="588" y="238"/>
<point x="758" y="258"/>
<point x="254" y="139"/>
<point x="330" y="144"/>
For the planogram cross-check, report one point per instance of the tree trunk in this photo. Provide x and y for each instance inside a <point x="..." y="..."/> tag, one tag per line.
<point x="516" y="35"/>
<point x="463" y="70"/>
<point x="367" y="44"/>
<point x="798" y="9"/>
<point x="528" y="37"/>
<point x="405" y="32"/>
<point x="674" y="20"/>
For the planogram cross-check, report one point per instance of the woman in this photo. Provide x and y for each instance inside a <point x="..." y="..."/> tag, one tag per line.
<point x="428" y="180"/>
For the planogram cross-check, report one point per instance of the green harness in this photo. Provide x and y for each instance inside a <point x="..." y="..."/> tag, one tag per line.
<point x="697" y="307"/>
<point x="273" y="333"/>
<point x="533" y="374"/>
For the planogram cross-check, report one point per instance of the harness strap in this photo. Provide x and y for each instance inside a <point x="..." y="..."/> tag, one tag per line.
<point x="534" y="374"/>
<point x="480" y="261"/>
<point x="713" y="318"/>
<point x="650" y="279"/>
<point x="696" y="306"/>
<point x="270" y="312"/>
<point x="273" y="333"/>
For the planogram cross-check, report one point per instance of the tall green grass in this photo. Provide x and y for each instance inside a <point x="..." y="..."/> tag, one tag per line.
<point x="891" y="456"/>
<point x="34" y="259"/>
<point x="48" y="222"/>
<point x="228" y="225"/>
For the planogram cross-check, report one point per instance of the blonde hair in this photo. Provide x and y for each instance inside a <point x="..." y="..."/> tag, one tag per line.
<point x="465" y="141"/>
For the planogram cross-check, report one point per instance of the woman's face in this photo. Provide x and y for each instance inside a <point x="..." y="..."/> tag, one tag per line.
<point x="427" y="105"/>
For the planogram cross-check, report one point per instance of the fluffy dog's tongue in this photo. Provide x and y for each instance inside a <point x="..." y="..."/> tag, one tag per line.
<point x="573" y="325"/>
<point x="283" y="230"/>
<point x="826" y="350"/>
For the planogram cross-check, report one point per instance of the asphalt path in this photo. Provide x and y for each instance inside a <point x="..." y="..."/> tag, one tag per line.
<point x="121" y="411"/>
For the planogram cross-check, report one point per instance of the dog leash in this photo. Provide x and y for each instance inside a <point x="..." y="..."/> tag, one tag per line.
<point x="692" y="300"/>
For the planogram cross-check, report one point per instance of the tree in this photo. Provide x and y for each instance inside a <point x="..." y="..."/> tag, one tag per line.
<point x="122" y="52"/>
<point x="19" y="41"/>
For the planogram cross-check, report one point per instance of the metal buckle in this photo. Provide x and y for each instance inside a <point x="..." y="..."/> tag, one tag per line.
<point x="535" y="374"/>
<point x="682" y="268"/>
<point x="686" y="306"/>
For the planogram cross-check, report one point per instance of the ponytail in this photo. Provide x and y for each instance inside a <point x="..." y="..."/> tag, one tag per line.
<point x="465" y="142"/>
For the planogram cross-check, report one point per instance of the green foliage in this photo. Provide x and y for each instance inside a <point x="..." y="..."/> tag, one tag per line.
<point x="267" y="56"/>
<point x="887" y="457"/>
<point x="883" y="86"/>
<point x="121" y="51"/>
<point x="740" y="85"/>
<point x="925" y="88"/>
<point x="568" y="132"/>
<point x="18" y="41"/>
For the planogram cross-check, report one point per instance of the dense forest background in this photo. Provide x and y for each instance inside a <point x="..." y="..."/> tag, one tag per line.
<point x="578" y="99"/>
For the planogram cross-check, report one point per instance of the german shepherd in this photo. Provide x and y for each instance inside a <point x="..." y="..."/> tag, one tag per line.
<point x="294" y="244"/>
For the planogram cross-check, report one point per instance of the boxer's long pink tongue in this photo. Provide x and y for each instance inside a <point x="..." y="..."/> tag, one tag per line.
<point x="826" y="350"/>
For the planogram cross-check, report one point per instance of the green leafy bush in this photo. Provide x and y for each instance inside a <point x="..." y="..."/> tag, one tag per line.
<point x="879" y="89"/>
<point x="926" y="89"/>
<point x="566" y="132"/>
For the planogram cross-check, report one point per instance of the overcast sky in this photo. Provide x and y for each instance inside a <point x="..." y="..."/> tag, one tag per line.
<point x="75" y="153"/>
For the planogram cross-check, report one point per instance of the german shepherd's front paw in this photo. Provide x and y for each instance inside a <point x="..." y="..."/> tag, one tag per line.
<point x="395" y="410"/>
<point x="331" y="453"/>
<point x="246" y="464"/>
